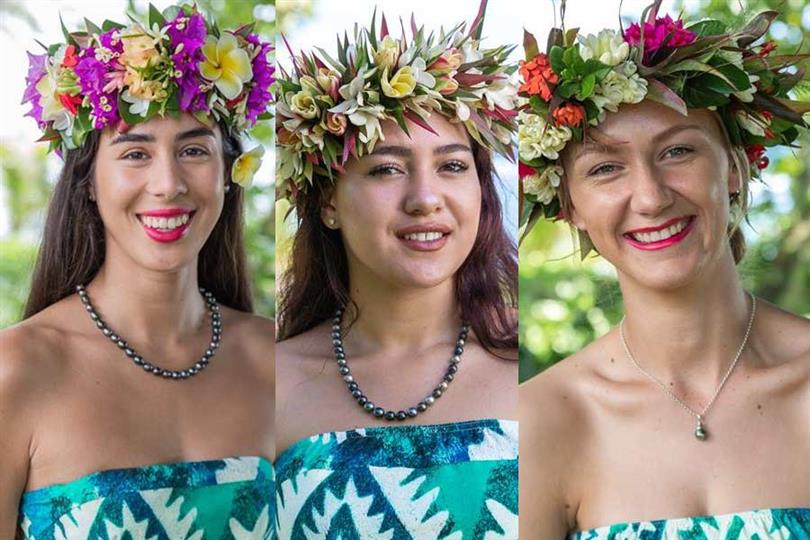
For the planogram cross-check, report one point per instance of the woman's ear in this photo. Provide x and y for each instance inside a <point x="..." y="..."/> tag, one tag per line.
<point x="734" y="179"/>
<point x="329" y="213"/>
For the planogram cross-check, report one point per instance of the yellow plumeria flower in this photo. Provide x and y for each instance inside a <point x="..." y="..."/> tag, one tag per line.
<point x="226" y="65"/>
<point x="246" y="165"/>
<point x="401" y="85"/>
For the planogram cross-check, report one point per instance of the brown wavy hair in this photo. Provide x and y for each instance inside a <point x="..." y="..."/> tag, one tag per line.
<point x="72" y="249"/>
<point x="317" y="280"/>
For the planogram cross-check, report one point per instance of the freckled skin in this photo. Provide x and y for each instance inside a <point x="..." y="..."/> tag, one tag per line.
<point x="601" y="444"/>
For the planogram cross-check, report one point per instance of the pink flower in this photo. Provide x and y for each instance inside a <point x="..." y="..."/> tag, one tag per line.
<point x="663" y="33"/>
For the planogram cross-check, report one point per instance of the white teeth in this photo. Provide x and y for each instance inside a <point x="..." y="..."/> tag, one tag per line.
<point x="165" y="224"/>
<point x="424" y="236"/>
<point x="657" y="236"/>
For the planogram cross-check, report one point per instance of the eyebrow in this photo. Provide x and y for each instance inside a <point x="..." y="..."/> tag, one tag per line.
<point x="402" y="151"/>
<point x="597" y="147"/>
<point x="143" y="137"/>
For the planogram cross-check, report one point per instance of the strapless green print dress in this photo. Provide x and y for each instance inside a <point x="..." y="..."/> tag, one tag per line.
<point x="769" y="524"/>
<point x="228" y="498"/>
<point x="456" y="481"/>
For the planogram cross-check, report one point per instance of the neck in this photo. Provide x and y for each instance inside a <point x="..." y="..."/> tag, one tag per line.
<point x="403" y="318"/>
<point x="689" y="332"/>
<point x="148" y="306"/>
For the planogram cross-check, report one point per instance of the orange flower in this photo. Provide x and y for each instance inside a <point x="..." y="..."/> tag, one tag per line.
<point x="538" y="77"/>
<point x="71" y="103"/>
<point x="569" y="115"/>
<point x="70" y="59"/>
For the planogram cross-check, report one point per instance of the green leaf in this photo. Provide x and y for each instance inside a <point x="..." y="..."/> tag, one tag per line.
<point x="555" y="58"/>
<point x="567" y="89"/>
<point x="108" y="25"/>
<point x="591" y="110"/>
<point x="697" y="96"/>
<point x="126" y="116"/>
<point x="91" y="27"/>
<point x="538" y="105"/>
<point x="570" y="36"/>
<point x="155" y="17"/>
<point x="708" y="27"/>
<point x="68" y="38"/>
<point x="756" y="28"/>
<point x="171" y="13"/>
<point x="588" y="85"/>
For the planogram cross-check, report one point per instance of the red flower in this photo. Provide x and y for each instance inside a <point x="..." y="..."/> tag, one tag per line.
<point x="569" y="115"/>
<point x="766" y="49"/>
<point x="70" y="58"/>
<point x="538" y="77"/>
<point x="756" y="155"/>
<point x="525" y="170"/>
<point x="70" y="103"/>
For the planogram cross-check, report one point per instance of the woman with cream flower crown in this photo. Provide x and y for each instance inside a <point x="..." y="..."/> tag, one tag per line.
<point x="397" y="376"/>
<point x="136" y="396"/>
<point x="690" y="419"/>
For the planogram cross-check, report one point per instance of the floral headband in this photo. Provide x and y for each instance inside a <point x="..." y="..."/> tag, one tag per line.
<point x="702" y="65"/>
<point x="330" y="108"/>
<point x="128" y="74"/>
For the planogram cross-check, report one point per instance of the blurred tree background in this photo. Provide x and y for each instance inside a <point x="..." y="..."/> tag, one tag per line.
<point x="565" y="304"/>
<point x="27" y="175"/>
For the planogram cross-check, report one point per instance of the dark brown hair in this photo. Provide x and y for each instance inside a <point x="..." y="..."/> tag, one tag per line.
<point x="72" y="249"/>
<point x="317" y="280"/>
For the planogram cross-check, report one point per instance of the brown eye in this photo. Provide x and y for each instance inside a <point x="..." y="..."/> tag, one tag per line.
<point x="135" y="155"/>
<point x="386" y="169"/>
<point x="194" y="151"/>
<point x="455" y="166"/>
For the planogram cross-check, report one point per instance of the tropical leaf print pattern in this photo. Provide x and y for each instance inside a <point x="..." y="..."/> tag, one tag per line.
<point x="446" y="481"/>
<point x="229" y="499"/>
<point x="771" y="524"/>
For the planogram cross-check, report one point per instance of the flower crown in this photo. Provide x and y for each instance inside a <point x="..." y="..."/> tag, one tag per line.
<point x="330" y="108"/>
<point x="128" y="74"/>
<point x="701" y="65"/>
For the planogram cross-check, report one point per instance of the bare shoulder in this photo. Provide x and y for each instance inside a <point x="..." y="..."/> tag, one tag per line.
<point x="785" y="334"/>
<point x="31" y="351"/>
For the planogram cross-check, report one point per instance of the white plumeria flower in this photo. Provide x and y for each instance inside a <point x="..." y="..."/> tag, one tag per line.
<point x="137" y="106"/>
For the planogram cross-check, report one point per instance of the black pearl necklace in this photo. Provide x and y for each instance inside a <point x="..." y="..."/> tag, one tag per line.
<point x="369" y="406"/>
<point x="121" y="343"/>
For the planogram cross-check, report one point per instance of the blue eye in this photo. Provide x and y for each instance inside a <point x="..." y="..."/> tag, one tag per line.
<point x="678" y="151"/>
<point x="601" y="170"/>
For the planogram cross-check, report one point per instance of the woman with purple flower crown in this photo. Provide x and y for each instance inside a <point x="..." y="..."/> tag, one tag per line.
<point x="691" y="419"/>
<point x="120" y="389"/>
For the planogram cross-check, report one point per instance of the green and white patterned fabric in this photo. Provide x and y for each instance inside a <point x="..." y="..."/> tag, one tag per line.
<point x="771" y="524"/>
<point x="221" y="499"/>
<point x="455" y="481"/>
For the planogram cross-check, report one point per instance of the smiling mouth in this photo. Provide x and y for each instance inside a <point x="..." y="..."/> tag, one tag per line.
<point x="424" y="236"/>
<point x="165" y="224"/>
<point x="650" y="237"/>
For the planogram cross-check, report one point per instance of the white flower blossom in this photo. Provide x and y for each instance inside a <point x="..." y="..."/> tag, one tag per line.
<point x="536" y="138"/>
<point x="608" y="46"/>
<point x="544" y="184"/>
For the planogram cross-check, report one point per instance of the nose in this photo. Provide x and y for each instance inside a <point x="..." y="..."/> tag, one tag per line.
<point x="166" y="178"/>
<point x="424" y="195"/>
<point x="650" y="192"/>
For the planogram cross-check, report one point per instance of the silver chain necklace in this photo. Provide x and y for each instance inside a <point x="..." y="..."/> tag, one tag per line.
<point x="700" y="430"/>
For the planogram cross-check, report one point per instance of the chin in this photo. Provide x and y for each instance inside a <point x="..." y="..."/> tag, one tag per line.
<point x="421" y="276"/>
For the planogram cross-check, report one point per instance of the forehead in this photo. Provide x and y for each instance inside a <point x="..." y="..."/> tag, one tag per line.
<point x="445" y="133"/>
<point x="162" y="128"/>
<point x="643" y="121"/>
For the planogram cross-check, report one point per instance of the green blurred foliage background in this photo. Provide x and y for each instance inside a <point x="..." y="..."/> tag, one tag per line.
<point x="565" y="304"/>
<point x="27" y="179"/>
